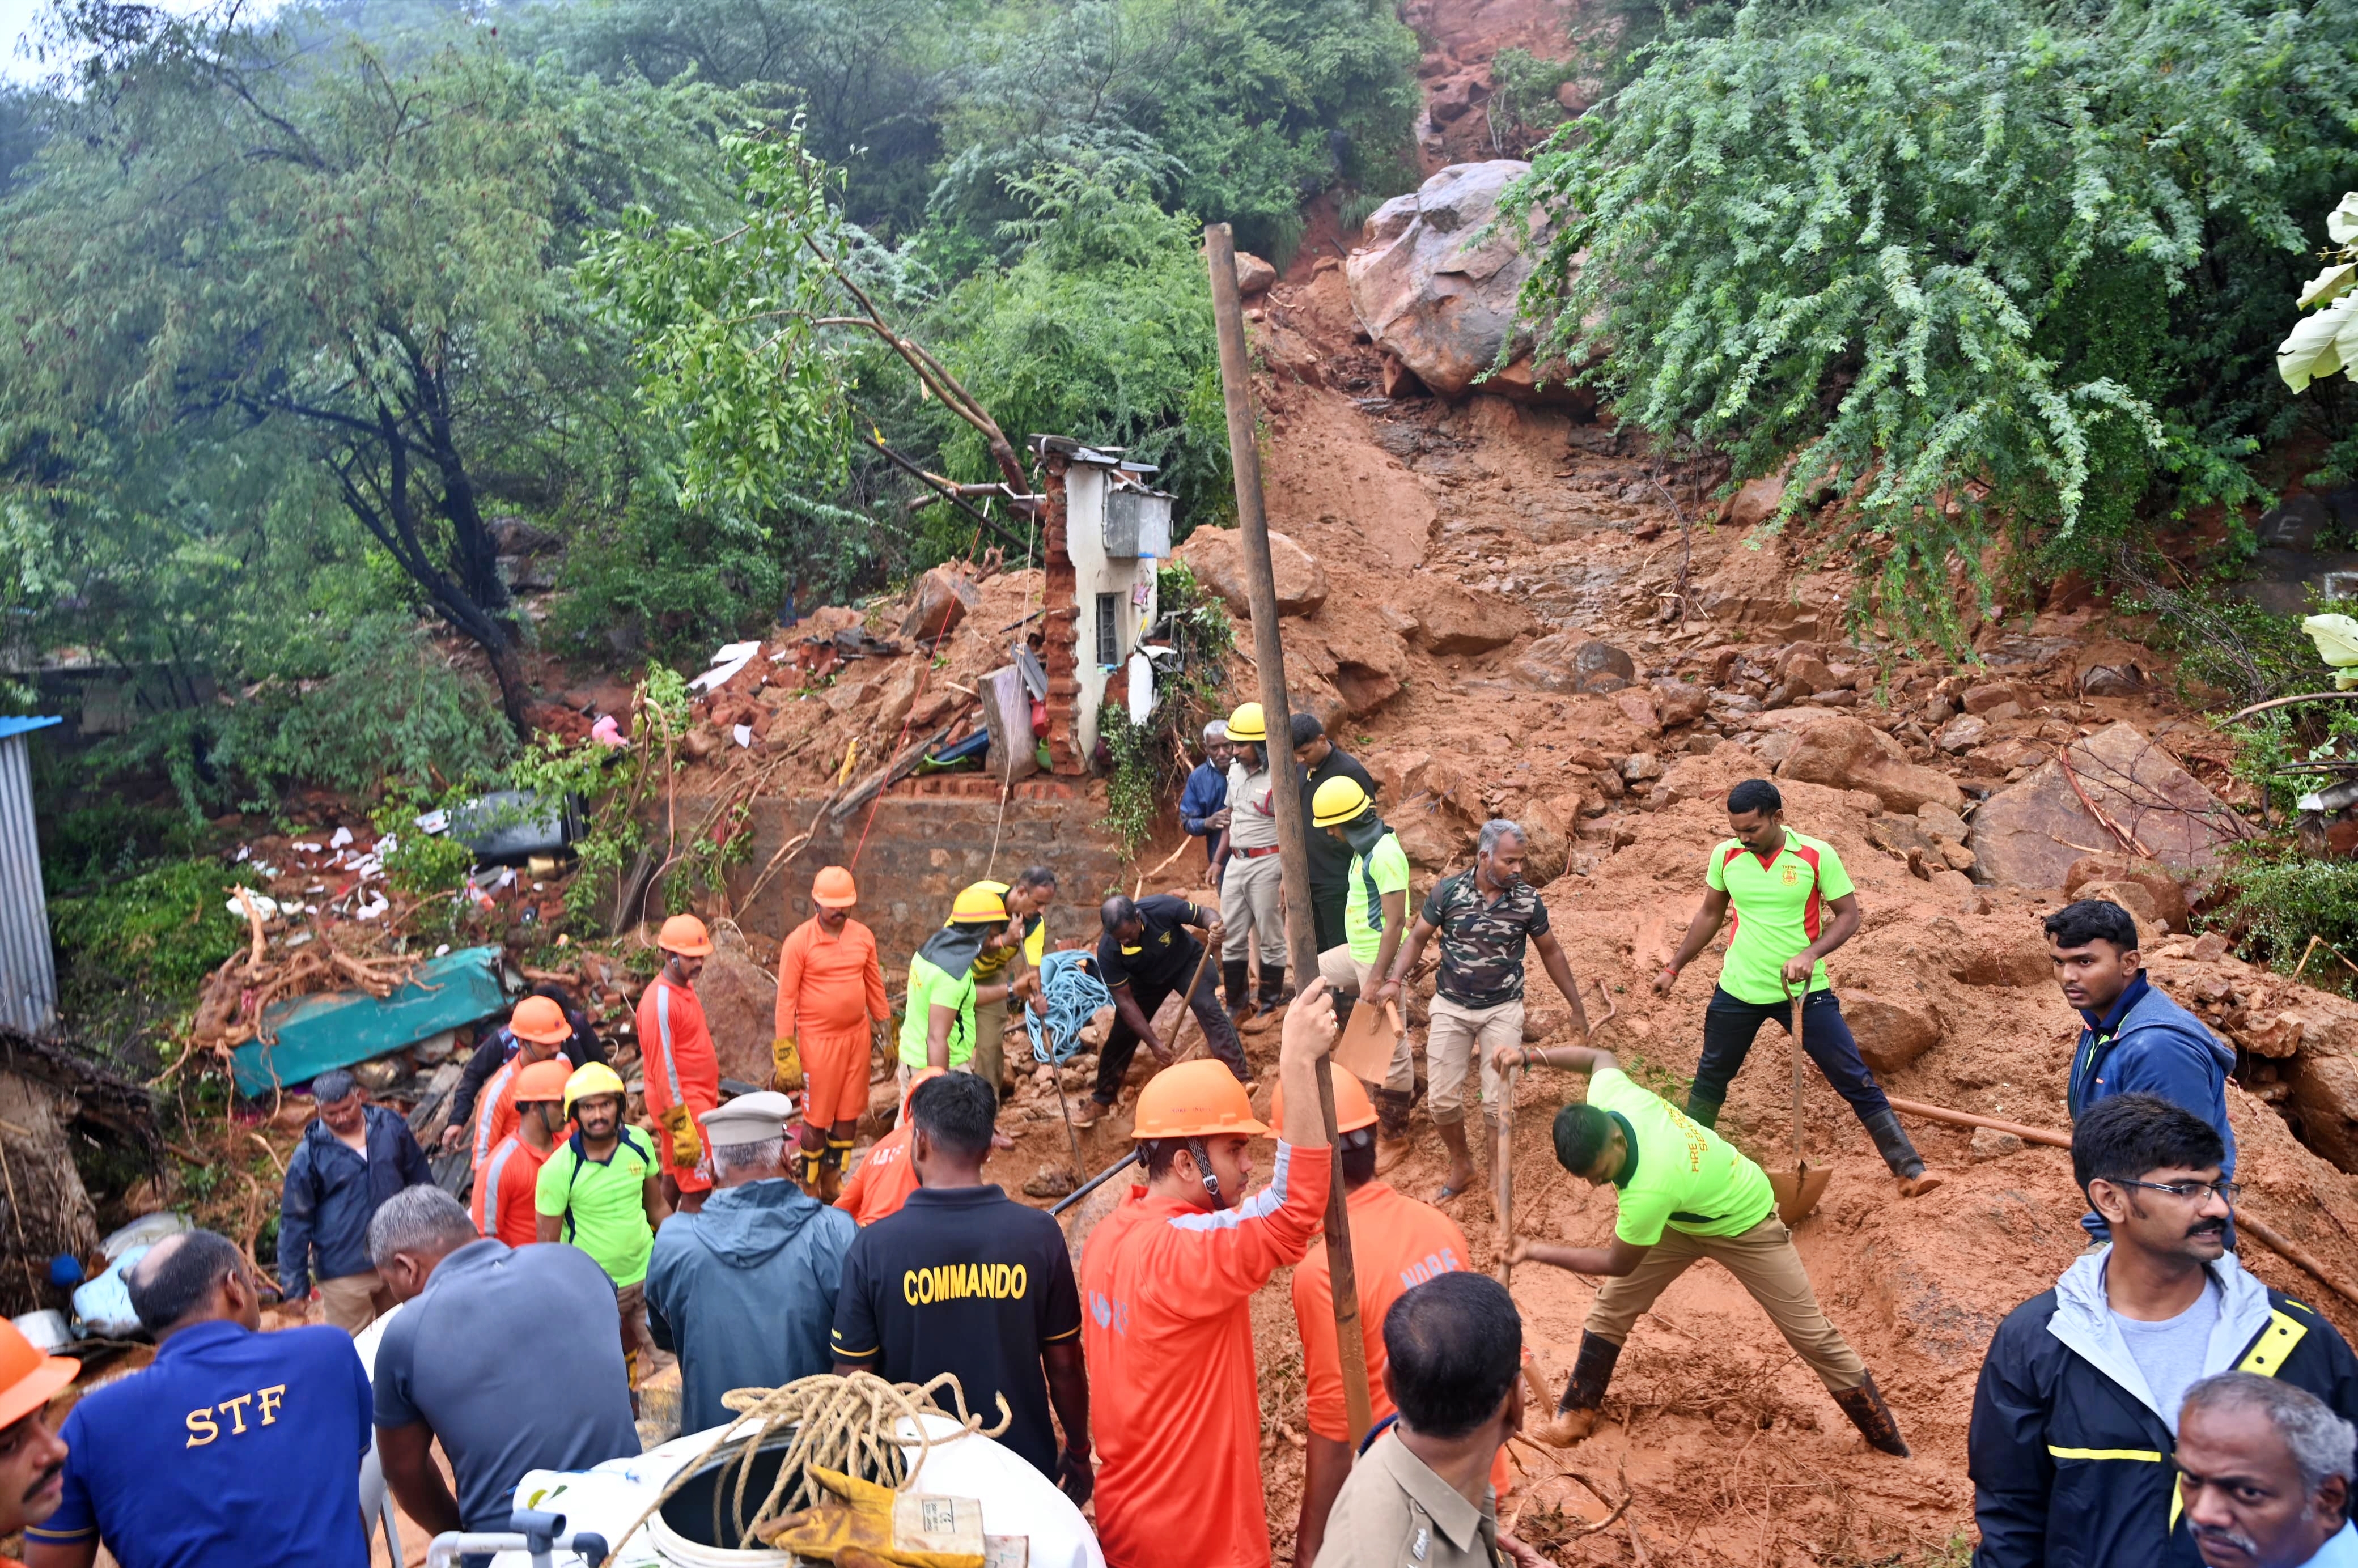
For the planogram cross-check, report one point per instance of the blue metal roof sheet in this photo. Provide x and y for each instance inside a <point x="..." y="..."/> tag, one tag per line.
<point x="18" y="725"/>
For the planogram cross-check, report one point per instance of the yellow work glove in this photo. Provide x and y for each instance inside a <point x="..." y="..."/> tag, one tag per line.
<point x="913" y="1529"/>
<point x="685" y="1148"/>
<point x="785" y="1063"/>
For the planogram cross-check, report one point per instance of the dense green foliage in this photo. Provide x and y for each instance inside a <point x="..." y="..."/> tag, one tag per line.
<point x="132" y="950"/>
<point x="1988" y="267"/>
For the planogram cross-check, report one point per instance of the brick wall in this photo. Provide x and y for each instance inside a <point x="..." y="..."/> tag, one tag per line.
<point x="930" y="839"/>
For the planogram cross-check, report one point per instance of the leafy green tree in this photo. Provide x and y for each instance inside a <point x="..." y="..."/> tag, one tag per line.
<point x="1982" y="268"/>
<point x="360" y="269"/>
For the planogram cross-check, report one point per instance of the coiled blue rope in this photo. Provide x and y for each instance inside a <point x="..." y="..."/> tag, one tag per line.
<point x="1072" y="995"/>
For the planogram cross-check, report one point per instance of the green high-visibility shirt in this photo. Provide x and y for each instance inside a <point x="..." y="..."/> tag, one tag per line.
<point x="1680" y="1174"/>
<point x="1779" y="907"/>
<point x="929" y="988"/>
<point x="1388" y="867"/>
<point x="604" y="1202"/>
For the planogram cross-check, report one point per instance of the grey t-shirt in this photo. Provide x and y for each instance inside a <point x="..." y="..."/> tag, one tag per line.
<point x="2170" y="1353"/>
<point x="513" y="1357"/>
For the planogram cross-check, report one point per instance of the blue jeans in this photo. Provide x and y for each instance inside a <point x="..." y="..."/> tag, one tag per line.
<point x="1729" y="1027"/>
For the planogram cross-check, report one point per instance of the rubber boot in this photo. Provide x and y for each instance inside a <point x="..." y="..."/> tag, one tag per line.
<point x="831" y="1170"/>
<point x="1868" y="1412"/>
<point x="1891" y="1142"/>
<point x="1701" y="1112"/>
<point x="1392" y="1126"/>
<point x="1236" y="978"/>
<point x="1273" y="994"/>
<point x="813" y="1161"/>
<point x="1584" y="1394"/>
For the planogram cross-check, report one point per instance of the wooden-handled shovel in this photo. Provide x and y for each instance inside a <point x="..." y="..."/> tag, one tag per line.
<point x="1798" y="1190"/>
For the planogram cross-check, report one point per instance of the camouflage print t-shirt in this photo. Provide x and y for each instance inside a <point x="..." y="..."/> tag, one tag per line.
<point x="1481" y="941"/>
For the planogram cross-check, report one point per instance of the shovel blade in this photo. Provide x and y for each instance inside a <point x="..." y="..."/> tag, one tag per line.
<point x="1798" y="1190"/>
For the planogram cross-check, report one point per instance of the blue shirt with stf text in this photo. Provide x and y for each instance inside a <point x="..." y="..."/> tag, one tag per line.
<point x="233" y="1450"/>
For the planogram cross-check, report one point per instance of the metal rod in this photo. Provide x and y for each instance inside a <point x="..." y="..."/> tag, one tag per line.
<point x="1293" y="829"/>
<point x="1093" y="1182"/>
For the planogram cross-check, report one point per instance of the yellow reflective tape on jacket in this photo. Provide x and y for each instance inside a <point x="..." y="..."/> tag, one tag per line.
<point x="2148" y="1455"/>
<point x="2265" y="1359"/>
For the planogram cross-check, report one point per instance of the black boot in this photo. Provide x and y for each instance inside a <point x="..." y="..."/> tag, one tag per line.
<point x="1891" y="1142"/>
<point x="1868" y="1412"/>
<point x="1583" y="1392"/>
<point x="1273" y="994"/>
<point x="1701" y="1112"/>
<point x="1236" y="978"/>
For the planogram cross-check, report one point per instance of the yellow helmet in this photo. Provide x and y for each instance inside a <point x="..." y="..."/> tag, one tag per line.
<point x="981" y="901"/>
<point x="589" y="1080"/>
<point x="1247" y="724"/>
<point x="1339" y="800"/>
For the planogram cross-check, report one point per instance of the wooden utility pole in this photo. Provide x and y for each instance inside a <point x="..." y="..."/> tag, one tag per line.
<point x="1292" y="822"/>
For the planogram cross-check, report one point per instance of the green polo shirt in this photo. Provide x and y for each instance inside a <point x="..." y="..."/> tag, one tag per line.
<point x="929" y="988"/>
<point x="1778" y="908"/>
<point x="603" y="1202"/>
<point x="1388" y="867"/>
<point x="1681" y="1175"/>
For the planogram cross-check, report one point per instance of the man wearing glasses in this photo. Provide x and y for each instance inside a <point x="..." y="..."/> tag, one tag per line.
<point x="2075" y="1431"/>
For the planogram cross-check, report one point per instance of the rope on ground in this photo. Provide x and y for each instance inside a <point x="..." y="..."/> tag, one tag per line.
<point x="1071" y="996"/>
<point x="849" y="1424"/>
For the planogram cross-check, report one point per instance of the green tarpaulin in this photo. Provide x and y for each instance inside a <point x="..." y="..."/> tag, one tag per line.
<point x="310" y="1034"/>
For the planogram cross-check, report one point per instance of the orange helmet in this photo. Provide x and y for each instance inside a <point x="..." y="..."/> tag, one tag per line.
<point x="685" y="934"/>
<point x="1353" y="1109"/>
<point x="542" y="1081"/>
<point x="1194" y="1099"/>
<point x="834" y="887"/>
<point x="922" y="1075"/>
<point x="540" y="1020"/>
<point x="29" y="1378"/>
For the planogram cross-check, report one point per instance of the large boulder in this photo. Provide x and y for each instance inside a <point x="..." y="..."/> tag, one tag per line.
<point x="1433" y="295"/>
<point x="1453" y="619"/>
<point x="1570" y="662"/>
<point x="740" y="1006"/>
<point x="1847" y="754"/>
<point x="1218" y="558"/>
<point x="2030" y="834"/>
<point x="1892" y="1029"/>
<point x="2090" y="872"/>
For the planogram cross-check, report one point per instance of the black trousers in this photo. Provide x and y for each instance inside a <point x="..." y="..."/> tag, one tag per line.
<point x="1729" y="1027"/>
<point x="1326" y="916"/>
<point x="1219" y="1030"/>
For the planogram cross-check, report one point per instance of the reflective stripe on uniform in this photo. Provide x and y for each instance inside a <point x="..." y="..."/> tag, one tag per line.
<point x="491" y="1221"/>
<point x="2265" y="1359"/>
<point x="2148" y="1455"/>
<point x="490" y="1103"/>
<point x="663" y="1022"/>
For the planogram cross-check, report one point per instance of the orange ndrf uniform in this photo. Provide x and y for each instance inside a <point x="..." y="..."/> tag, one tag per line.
<point x="1175" y="1402"/>
<point x="830" y="987"/>
<point x="884" y="1180"/>
<point x="505" y="1192"/>
<point x="675" y="1045"/>
<point x="1397" y="1243"/>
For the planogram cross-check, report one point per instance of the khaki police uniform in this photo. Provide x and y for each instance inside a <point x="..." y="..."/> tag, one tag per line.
<point x="1394" y="1513"/>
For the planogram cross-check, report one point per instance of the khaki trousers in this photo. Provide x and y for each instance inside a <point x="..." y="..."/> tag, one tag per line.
<point x="1458" y="1038"/>
<point x="1251" y="907"/>
<point x="1343" y="972"/>
<point x="354" y="1302"/>
<point x="630" y="1305"/>
<point x="1766" y="1264"/>
<point x="989" y="1062"/>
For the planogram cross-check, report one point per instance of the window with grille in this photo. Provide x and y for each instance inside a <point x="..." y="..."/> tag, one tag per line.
<point x="1108" y="638"/>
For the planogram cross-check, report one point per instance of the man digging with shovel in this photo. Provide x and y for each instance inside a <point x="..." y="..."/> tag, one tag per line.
<point x="1783" y="886"/>
<point x="1683" y="1196"/>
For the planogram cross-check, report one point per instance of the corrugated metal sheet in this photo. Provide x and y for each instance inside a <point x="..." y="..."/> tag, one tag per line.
<point x="28" y="979"/>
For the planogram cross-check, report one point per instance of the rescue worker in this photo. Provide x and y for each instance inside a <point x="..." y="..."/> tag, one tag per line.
<point x="683" y="1071"/>
<point x="743" y="1290"/>
<point x="539" y="1027"/>
<point x="1248" y="871"/>
<point x="32" y="1457"/>
<point x="1203" y="802"/>
<point x="603" y="1192"/>
<point x="1015" y="965"/>
<point x="1485" y="916"/>
<point x="831" y="992"/>
<point x="938" y="1029"/>
<point x="1330" y="861"/>
<point x="887" y="1176"/>
<point x="1145" y="955"/>
<point x="499" y="1046"/>
<point x="353" y="1157"/>
<point x="2075" y="1420"/>
<point x="1375" y="920"/>
<point x="505" y="1185"/>
<point x="1685" y="1195"/>
<point x="1166" y="1299"/>
<point x="1397" y="1243"/>
<point x="1783" y="886"/>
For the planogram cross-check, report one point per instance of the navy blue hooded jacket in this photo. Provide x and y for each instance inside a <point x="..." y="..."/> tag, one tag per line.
<point x="2148" y="1044"/>
<point x="331" y="1194"/>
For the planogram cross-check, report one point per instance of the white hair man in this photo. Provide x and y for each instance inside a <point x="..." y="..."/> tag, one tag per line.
<point x="2264" y="1470"/>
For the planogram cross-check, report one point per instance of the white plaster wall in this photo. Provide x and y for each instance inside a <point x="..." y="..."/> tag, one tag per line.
<point x="1085" y="493"/>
